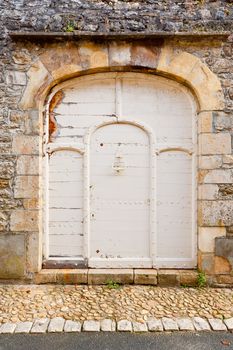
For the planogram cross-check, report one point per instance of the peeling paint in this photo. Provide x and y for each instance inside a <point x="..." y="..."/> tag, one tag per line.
<point x="55" y="101"/>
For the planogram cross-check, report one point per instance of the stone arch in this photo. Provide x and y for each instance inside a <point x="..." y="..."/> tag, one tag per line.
<point x="61" y="63"/>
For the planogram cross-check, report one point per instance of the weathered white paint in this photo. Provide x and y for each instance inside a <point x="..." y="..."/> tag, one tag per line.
<point x="131" y="213"/>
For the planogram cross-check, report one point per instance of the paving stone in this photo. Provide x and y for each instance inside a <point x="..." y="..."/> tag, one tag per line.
<point x="107" y="325"/>
<point x="124" y="326"/>
<point x="155" y="325"/>
<point x="185" y="324"/>
<point x="200" y="324"/>
<point x="91" y="326"/>
<point x="23" y="327"/>
<point x="139" y="327"/>
<point x="40" y="325"/>
<point x="56" y="325"/>
<point x="8" y="328"/>
<point x="217" y="324"/>
<point x="72" y="326"/>
<point x="169" y="324"/>
<point x="229" y="323"/>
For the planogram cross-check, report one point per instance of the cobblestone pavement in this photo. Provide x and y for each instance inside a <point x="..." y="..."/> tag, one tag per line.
<point x="132" y="303"/>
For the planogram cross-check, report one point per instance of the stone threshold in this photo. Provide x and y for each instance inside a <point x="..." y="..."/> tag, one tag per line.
<point x="160" y="277"/>
<point x="59" y="324"/>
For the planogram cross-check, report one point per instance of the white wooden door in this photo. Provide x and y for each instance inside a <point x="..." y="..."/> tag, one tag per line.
<point x="121" y="172"/>
<point x="120" y="197"/>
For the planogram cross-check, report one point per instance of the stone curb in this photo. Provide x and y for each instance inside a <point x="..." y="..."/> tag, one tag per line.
<point x="59" y="324"/>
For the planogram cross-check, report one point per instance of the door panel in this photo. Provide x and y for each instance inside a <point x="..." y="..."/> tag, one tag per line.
<point x="120" y="193"/>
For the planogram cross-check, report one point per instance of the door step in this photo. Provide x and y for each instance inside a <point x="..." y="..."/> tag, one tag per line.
<point x="160" y="277"/>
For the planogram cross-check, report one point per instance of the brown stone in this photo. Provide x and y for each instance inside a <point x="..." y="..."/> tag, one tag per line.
<point x="145" y="276"/>
<point x="45" y="276"/>
<point x="221" y="265"/>
<point x="12" y="256"/>
<point x="71" y="276"/>
<point x="103" y="276"/>
<point x="225" y="279"/>
<point x="168" y="278"/>
<point x="188" y="278"/>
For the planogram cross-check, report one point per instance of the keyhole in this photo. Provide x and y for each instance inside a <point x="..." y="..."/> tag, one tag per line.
<point x="101" y="144"/>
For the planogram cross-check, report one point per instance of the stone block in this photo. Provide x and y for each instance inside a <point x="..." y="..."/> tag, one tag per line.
<point x="145" y="276"/>
<point x="45" y="276"/>
<point x="23" y="327"/>
<point x="26" y="186"/>
<point x="7" y="328"/>
<point x="32" y="123"/>
<point x="12" y="256"/>
<point x="91" y="326"/>
<point x="206" y="237"/>
<point x="206" y="263"/>
<point x="205" y="122"/>
<point x="210" y="162"/>
<point x="124" y="326"/>
<point x="225" y="280"/>
<point x="24" y="220"/>
<point x="15" y="78"/>
<point x="215" y="144"/>
<point x="139" y="327"/>
<point x="219" y="176"/>
<point x="224" y="247"/>
<point x="31" y="203"/>
<point x="227" y="161"/>
<point x="221" y="265"/>
<point x="169" y="324"/>
<point x="28" y="165"/>
<point x="102" y="276"/>
<point x="72" y="326"/>
<point x="145" y="56"/>
<point x="188" y="278"/>
<point x="56" y="325"/>
<point x="215" y="213"/>
<point x="217" y="324"/>
<point x="168" y="278"/>
<point x="229" y="323"/>
<point x="25" y="144"/>
<point x="185" y="324"/>
<point x="208" y="192"/>
<point x="119" y="54"/>
<point x="71" y="276"/>
<point x="223" y="121"/>
<point x="201" y="324"/>
<point x="155" y="325"/>
<point x="40" y="325"/>
<point x="107" y="325"/>
<point x="34" y="253"/>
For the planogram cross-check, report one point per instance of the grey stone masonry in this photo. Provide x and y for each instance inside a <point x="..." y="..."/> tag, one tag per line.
<point x="217" y="324"/>
<point x="56" y="325"/>
<point x="8" y="328"/>
<point x="40" y="325"/>
<point x="91" y="326"/>
<point x="124" y="326"/>
<point x="169" y="324"/>
<point x="23" y="327"/>
<point x="155" y="325"/>
<point x="200" y="324"/>
<point x="72" y="326"/>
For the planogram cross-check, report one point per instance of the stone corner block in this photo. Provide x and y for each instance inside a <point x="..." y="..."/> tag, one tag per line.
<point x="167" y="278"/>
<point x="145" y="276"/>
<point x="102" y="276"/>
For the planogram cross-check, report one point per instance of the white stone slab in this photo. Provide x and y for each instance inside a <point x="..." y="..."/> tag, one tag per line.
<point x="155" y="325"/>
<point x="23" y="327"/>
<point x="201" y="324"/>
<point x="40" y="325"/>
<point x="139" y="327"/>
<point x="185" y="324"/>
<point x="108" y="325"/>
<point x="72" y="326"/>
<point x="8" y="328"/>
<point x="91" y="326"/>
<point x="229" y="323"/>
<point x="124" y="326"/>
<point x="217" y="324"/>
<point x="169" y="324"/>
<point x="56" y="325"/>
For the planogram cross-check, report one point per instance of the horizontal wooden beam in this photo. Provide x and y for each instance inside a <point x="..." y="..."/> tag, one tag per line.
<point x="79" y="35"/>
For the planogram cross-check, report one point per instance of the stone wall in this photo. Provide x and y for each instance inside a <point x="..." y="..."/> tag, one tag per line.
<point x="22" y="129"/>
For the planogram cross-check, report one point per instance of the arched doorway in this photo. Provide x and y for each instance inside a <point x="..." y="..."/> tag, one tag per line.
<point x="106" y="118"/>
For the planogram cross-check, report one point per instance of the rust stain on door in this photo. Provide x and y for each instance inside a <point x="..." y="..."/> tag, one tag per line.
<point x="55" y="101"/>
